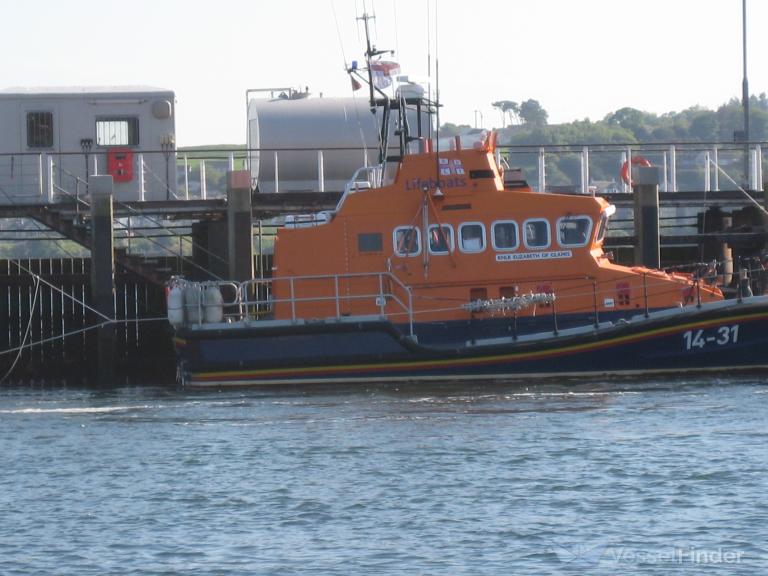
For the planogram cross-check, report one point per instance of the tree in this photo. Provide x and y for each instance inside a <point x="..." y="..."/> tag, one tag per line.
<point x="638" y="122"/>
<point x="532" y="113"/>
<point x="703" y="126"/>
<point x="449" y="129"/>
<point x="508" y="107"/>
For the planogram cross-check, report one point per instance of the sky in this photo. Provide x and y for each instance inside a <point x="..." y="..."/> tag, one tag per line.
<point x="579" y="59"/>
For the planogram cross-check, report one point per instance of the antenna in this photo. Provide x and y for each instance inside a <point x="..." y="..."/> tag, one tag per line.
<point x="745" y="94"/>
<point x="370" y="51"/>
<point x="438" y="192"/>
<point x="429" y="56"/>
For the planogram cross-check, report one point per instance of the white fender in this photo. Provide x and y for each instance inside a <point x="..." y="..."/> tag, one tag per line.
<point x="175" y="305"/>
<point x="193" y="303"/>
<point x="213" y="303"/>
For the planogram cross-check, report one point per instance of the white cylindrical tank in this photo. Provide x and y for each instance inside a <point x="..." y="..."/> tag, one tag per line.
<point x="213" y="303"/>
<point x="193" y="303"/>
<point x="290" y="132"/>
<point x="175" y="304"/>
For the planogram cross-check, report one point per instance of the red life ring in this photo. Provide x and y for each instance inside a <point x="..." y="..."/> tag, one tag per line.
<point x="636" y="161"/>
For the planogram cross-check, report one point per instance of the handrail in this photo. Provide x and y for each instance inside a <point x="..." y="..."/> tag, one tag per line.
<point x="256" y="295"/>
<point x="265" y="301"/>
<point x="698" y="164"/>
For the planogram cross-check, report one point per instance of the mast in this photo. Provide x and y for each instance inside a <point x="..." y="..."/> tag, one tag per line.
<point x="370" y="53"/>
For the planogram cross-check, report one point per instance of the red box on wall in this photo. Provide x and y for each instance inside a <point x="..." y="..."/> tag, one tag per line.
<point x="120" y="164"/>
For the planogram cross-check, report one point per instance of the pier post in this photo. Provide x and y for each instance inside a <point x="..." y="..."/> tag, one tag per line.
<point x="103" y="274"/>
<point x="713" y="221"/>
<point x="646" y="190"/>
<point x="239" y="235"/>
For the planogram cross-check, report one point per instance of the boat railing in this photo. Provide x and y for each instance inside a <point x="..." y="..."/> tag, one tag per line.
<point x="364" y="178"/>
<point x="256" y="299"/>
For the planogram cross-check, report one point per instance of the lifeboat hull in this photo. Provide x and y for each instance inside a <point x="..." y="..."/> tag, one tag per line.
<point x="720" y="336"/>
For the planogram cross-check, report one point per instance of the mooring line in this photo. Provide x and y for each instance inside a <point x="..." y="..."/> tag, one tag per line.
<point x="24" y="346"/>
<point x="59" y="290"/>
<point x="748" y="196"/>
<point x="26" y="332"/>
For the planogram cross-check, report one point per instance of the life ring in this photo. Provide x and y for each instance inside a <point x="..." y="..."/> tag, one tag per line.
<point x="636" y="161"/>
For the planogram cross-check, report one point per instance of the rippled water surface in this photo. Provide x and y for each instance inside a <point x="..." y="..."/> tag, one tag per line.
<point x="652" y="477"/>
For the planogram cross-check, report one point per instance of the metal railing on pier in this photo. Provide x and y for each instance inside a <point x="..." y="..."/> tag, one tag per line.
<point x="42" y="178"/>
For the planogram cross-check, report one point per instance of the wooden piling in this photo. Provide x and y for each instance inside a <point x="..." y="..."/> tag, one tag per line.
<point x="645" y="181"/>
<point x="103" y="275"/>
<point x="239" y="222"/>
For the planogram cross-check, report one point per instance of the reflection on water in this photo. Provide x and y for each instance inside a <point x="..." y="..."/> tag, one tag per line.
<point x="628" y="476"/>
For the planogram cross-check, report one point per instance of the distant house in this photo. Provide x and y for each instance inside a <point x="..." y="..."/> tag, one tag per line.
<point x="50" y="135"/>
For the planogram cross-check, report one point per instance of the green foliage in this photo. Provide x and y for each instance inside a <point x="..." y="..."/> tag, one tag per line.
<point x="532" y="114"/>
<point x="508" y="108"/>
<point x="525" y="124"/>
<point x="630" y="125"/>
<point x="449" y="130"/>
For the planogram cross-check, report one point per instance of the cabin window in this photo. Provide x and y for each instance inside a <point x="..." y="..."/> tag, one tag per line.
<point x="440" y="239"/>
<point x="601" y="230"/>
<point x="117" y="131"/>
<point x="478" y="294"/>
<point x="40" y="129"/>
<point x="504" y="235"/>
<point x="574" y="230"/>
<point x="507" y="291"/>
<point x="472" y="237"/>
<point x="369" y="242"/>
<point x="407" y="241"/>
<point x="536" y="233"/>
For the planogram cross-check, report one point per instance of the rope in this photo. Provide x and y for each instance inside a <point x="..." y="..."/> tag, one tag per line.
<point x="60" y="291"/>
<point x="338" y="32"/>
<point x="739" y="188"/>
<point x="26" y="333"/>
<point x="24" y="346"/>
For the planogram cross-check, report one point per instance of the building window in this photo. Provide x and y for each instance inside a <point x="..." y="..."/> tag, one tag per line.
<point x="504" y="235"/>
<point x="574" y="230"/>
<point x="536" y="233"/>
<point x="472" y="237"/>
<point x="407" y="241"/>
<point x="40" y="129"/>
<point x="117" y="132"/>
<point x="440" y="239"/>
<point x="369" y="242"/>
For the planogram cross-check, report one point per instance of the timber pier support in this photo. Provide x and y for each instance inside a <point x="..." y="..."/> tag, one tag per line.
<point x="103" y="276"/>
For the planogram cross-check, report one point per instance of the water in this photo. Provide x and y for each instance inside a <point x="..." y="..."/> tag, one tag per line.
<point x="648" y="477"/>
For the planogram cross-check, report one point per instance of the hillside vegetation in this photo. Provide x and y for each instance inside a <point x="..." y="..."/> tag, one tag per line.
<point x="526" y="124"/>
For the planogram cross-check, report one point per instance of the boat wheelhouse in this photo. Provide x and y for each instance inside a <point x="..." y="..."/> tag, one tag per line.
<point x="464" y="243"/>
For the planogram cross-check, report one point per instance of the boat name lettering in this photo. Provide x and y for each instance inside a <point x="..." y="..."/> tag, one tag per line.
<point x="552" y="255"/>
<point x="718" y="337"/>
<point x="431" y="183"/>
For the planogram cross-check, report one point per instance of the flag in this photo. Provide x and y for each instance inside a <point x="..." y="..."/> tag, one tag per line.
<point x="355" y="84"/>
<point x="382" y="72"/>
